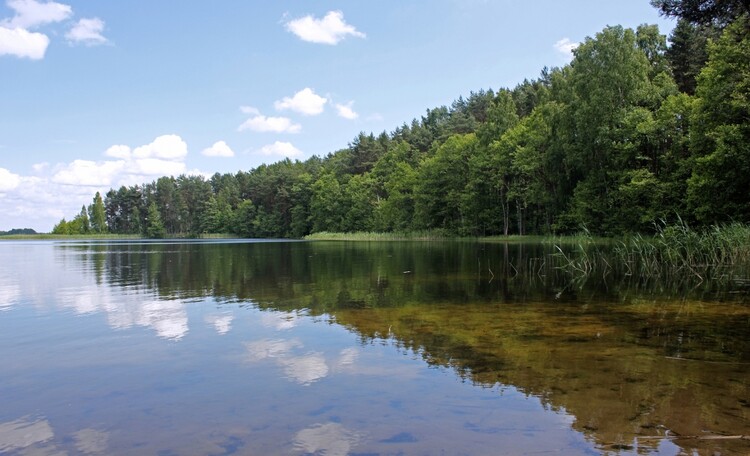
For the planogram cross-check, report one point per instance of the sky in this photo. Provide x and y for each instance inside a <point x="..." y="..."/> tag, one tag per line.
<point x="95" y="95"/>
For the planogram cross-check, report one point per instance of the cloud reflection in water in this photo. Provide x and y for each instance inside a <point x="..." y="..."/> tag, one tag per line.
<point x="124" y="310"/>
<point x="279" y="320"/>
<point x="10" y="293"/>
<point x="222" y="323"/>
<point x="305" y="369"/>
<point x="28" y="437"/>
<point x="270" y="348"/>
<point x="22" y="433"/>
<point x="331" y="439"/>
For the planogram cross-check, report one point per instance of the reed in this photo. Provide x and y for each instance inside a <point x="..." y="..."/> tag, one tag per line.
<point x="675" y="252"/>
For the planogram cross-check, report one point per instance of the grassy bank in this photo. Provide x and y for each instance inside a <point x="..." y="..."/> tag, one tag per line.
<point x="68" y="237"/>
<point x="437" y="235"/>
<point x="432" y="235"/>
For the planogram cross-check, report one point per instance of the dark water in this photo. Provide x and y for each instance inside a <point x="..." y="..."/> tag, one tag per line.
<point x="359" y="348"/>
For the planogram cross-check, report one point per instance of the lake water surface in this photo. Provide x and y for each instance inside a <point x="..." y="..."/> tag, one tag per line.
<point x="336" y="348"/>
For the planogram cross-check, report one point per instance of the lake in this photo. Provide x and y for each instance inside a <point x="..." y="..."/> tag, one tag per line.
<point x="360" y="348"/>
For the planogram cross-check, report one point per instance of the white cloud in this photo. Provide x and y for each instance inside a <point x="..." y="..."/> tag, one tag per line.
<point x="346" y="111"/>
<point x="284" y="149"/>
<point x="565" y="46"/>
<point x="329" y="30"/>
<point x="306" y="102"/>
<point x="22" y="43"/>
<point x="118" y="151"/>
<point x="31" y="13"/>
<point x="39" y="167"/>
<point x="8" y="180"/>
<point x="168" y="147"/>
<point x="88" y="32"/>
<point x="89" y="173"/>
<point x="38" y="202"/>
<point x="261" y="123"/>
<point x="219" y="149"/>
<point x="162" y="157"/>
<point x="51" y="192"/>
<point x="143" y="167"/>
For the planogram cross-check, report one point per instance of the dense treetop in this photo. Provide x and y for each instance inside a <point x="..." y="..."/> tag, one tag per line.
<point x="632" y="131"/>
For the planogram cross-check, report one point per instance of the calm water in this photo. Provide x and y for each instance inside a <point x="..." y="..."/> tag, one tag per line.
<point x="266" y="348"/>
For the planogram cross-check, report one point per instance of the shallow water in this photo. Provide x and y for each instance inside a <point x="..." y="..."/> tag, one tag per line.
<point x="173" y="348"/>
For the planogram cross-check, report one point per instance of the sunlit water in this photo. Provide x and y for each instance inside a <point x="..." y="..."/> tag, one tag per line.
<point x="265" y="348"/>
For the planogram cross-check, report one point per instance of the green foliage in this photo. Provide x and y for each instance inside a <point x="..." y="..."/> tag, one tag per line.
<point x="703" y="11"/>
<point x="688" y="53"/>
<point x="611" y="142"/>
<point x="97" y="215"/>
<point x="19" y="232"/>
<point x="83" y="221"/>
<point x="440" y="185"/>
<point x="154" y="224"/>
<point x="718" y="188"/>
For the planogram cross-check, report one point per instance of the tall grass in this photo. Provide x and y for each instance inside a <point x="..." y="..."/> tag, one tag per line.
<point x="677" y="251"/>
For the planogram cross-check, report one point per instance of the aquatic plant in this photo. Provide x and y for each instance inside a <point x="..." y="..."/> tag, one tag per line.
<point x="675" y="252"/>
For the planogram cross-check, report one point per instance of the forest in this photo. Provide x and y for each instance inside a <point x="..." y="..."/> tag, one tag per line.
<point x="638" y="129"/>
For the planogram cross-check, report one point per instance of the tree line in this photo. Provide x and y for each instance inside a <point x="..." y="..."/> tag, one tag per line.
<point x="635" y="129"/>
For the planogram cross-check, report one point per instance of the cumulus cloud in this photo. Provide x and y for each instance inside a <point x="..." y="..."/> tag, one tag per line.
<point x="22" y="43"/>
<point x="89" y="173"/>
<point x="31" y="13"/>
<point x="118" y="151"/>
<point x="142" y="168"/>
<point x="88" y="32"/>
<point x="17" y="39"/>
<point x="283" y="149"/>
<point x="219" y="149"/>
<point x="163" y="156"/>
<point x="346" y="111"/>
<point x="306" y="102"/>
<point x="8" y="180"/>
<point x="39" y="167"/>
<point x="329" y="30"/>
<point x="565" y="46"/>
<point x="168" y="147"/>
<point x="37" y="202"/>
<point x="263" y="124"/>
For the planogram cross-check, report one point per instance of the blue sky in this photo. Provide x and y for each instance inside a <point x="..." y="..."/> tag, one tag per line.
<point x="100" y="94"/>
